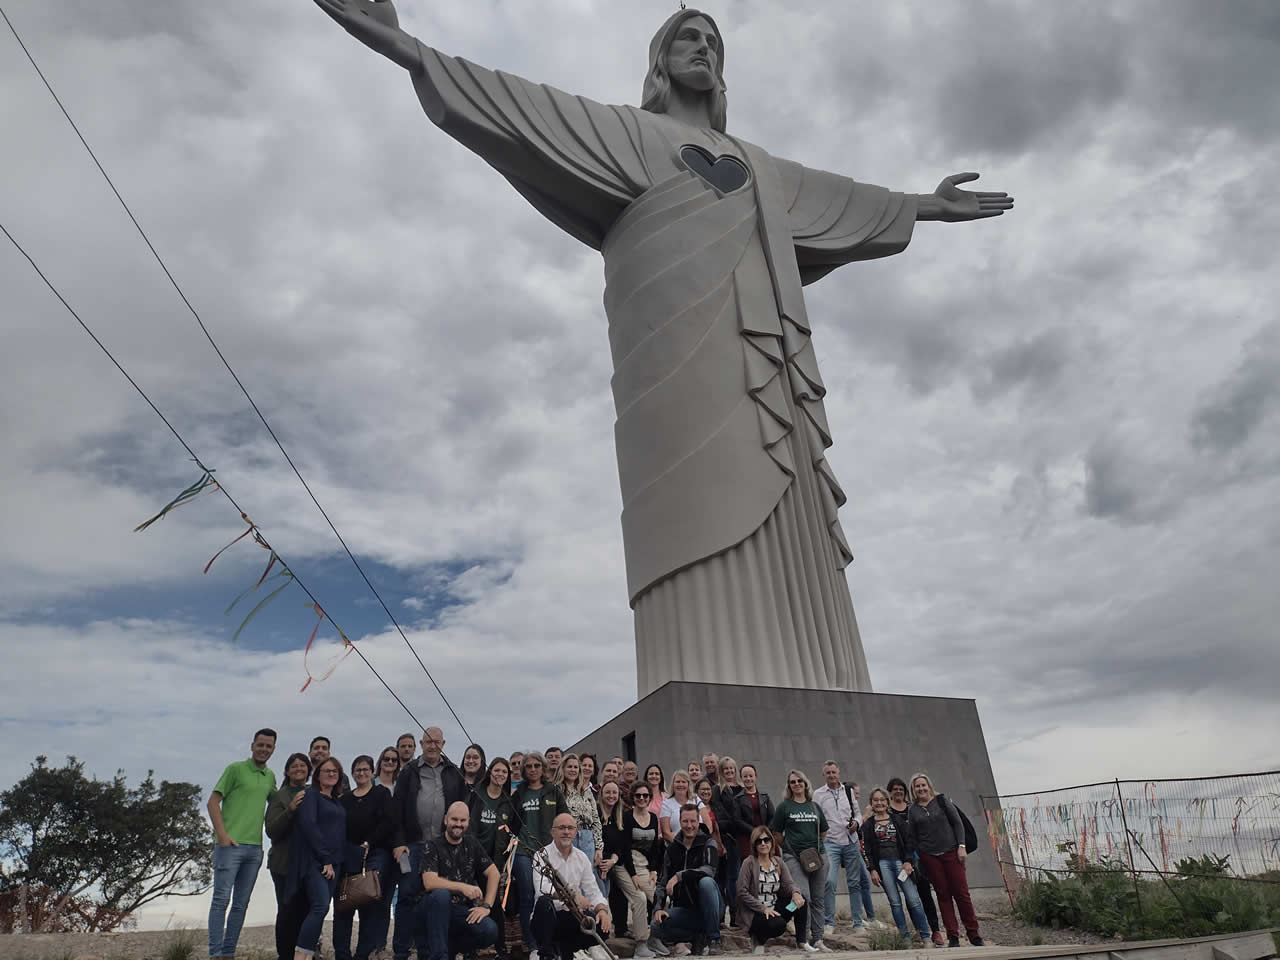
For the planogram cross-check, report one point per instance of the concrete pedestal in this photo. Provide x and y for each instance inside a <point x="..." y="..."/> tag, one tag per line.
<point x="873" y="736"/>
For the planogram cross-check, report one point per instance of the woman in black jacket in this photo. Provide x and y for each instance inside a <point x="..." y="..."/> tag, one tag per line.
<point x="279" y="823"/>
<point x="492" y="817"/>
<point x="618" y="865"/>
<point x="754" y="808"/>
<point x="886" y="843"/>
<point x="370" y="830"/>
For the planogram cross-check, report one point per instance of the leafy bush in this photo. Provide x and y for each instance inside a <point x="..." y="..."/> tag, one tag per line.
<point x="1202" y="899"/>
<point x="887" y="940"/>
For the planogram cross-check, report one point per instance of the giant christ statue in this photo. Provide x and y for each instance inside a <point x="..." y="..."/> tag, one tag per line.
<point x="734" y="552"/>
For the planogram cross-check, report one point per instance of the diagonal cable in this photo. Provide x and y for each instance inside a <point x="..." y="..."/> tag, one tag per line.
<point x="186" y="446"/>
<point x="243" y="389"/>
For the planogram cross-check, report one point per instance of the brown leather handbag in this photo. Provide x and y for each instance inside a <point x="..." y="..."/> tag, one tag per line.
<point x="358" y="889"/>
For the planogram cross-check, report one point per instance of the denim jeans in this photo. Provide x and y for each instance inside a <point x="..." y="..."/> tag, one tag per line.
<point x="407" y="932"/>
<point x="889" y="870"/>
<point x="319" y="892"/>
<point x="522" y="875"/>
<point x="867" y="903"/>
<point x="585" y="840"/>
<point x="372" y="918"/>
<point x="848" y="856"/>
<point x="448" y="932"/>
<point x="685" y="924"/>
<point x="235" y="871"/>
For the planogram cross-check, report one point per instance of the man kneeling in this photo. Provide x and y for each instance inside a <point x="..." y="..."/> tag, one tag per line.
<point x="556" y="931"/>
<point x="688" y="881"/>
<point x="455" y="910"/>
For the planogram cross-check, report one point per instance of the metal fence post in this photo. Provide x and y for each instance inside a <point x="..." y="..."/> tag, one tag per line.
<point x="1133" y="868"/>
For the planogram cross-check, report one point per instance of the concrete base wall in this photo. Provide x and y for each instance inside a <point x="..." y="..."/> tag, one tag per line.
<point x="873" y="736"/>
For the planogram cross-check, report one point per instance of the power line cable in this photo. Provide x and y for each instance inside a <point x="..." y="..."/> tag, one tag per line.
<point x="243" y="389"/>
<point x="186" y="446"/>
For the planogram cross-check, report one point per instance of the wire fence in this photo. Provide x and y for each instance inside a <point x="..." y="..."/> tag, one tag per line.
<point x="1148" y="828"/>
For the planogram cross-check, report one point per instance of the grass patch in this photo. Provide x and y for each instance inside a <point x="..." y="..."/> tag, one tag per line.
<point x="887" y="940"/>
<point x="180" y="946"/>
<point x="1099" y="896"/>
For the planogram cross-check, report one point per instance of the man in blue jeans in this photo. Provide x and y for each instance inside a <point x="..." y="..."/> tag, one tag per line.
<point x="456" y="912"/>
<point x="843" y="844"/>
<point x="688" y="878"/>
<point x="425" y="789"/>
<point x="237" y="807"/>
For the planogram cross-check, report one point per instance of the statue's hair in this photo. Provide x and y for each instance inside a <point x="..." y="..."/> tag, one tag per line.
<point x="657" y="85"/>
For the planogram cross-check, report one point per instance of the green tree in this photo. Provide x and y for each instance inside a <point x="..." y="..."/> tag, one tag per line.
<point x="98" y="848"/>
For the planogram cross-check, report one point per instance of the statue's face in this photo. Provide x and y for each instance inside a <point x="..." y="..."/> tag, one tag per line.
<point x="693" y="58"/>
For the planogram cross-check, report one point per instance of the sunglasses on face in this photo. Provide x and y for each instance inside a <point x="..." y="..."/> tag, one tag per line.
<point x="764" y="840"/>
<point x="637" y="797"/>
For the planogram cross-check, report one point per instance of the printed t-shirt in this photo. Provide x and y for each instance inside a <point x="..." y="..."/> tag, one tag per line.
<point x="801" y="825"/>
<point x="463" y="862"/>
<point x="245" y="789"/>
<point x="887" y="836"/>
<point x="487" y="827"/>
<point x="769" y="884"/>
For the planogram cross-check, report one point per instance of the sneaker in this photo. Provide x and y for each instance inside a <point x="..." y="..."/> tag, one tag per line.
<point x="758" y="950"/>
<point x="953" y="941"/>
<point x="643" y="951"/>
<point x="658" y="947"/>
<point x="977" y="941"/>
<point x="533" y="955"/>
<point x="682" y="950"/>
<point x="823" y="947"/>
<point x="597" y="953"/>
<point x="809" y="948"/>
<point x="713" y="949"/>
<point x="937" y="938"/>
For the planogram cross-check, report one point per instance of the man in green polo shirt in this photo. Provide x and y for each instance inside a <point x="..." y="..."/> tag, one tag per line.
<point x="236" y="807"/>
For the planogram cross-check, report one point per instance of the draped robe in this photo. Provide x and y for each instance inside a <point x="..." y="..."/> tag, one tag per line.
<point x="734" y="553"/>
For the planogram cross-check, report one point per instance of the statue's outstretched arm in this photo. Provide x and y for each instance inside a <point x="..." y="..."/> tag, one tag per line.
<point x="951" y="203"/>
<point x="375" y="24"/>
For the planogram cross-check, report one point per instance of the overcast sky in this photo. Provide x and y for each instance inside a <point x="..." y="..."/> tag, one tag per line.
<point x="1057" y="429"/>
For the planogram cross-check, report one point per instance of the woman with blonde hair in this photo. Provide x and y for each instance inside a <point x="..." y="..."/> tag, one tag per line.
<point x="799" y="826"/>
<point x="766" y="894"/>
<point x="681" y="793"/>
<point x="581" y="801"/>
<point x="938" y="834"/>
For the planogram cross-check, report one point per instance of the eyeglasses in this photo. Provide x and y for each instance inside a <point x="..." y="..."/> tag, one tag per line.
<point x="637" y="797"/>
<point x="792" y="783"/>
<point x="768" y="840"/>
<point x="390" y="759"/>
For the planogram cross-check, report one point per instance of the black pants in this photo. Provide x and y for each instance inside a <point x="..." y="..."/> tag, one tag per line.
<point x="556" y="932"/>
<point x="921" y="876"/>
<point x="763" y="929"/>
<point x="618" y="907"/>
<point x="288" y="917"/>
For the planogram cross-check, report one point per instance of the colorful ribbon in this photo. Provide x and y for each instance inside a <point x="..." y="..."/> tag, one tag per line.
<point x="252" y="529"/>
<point x="333" y="664"/>
<point x="205" y="482"/>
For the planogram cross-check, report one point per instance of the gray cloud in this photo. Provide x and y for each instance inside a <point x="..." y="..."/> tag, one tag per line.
<point x="1232" y="410"/>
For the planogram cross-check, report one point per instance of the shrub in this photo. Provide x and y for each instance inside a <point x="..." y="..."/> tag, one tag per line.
<point x="887" y="940"/>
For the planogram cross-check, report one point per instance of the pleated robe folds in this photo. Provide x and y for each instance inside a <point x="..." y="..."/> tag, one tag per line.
<point x="734" y="552"/>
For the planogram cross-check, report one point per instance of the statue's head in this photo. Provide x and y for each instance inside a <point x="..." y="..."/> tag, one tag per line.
<point x="688" y="52"/>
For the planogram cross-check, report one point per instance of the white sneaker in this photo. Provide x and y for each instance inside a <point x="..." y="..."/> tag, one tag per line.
<point x="682" y="950"/>
<point x="659" y="948"/>
<point x="810" y="948"/>
<point x="597" y="953"/>
<point x="643" y="951"/>
<point x="823" y="947"/>
<point x="533" y="955"/>
<point x="758" y="950"/>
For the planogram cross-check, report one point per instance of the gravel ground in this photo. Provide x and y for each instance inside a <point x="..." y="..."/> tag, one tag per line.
<point x="258" y="943"/>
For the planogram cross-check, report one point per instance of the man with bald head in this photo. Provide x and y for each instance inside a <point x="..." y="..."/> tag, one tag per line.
<point x="556" y="933"/>
<point x="425" y="789"/>
<point x="457" y="912"/>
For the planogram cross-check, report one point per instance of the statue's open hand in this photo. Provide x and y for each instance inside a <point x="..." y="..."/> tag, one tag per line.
<point x="375" y="24"/>
<point x="955" y="205"/>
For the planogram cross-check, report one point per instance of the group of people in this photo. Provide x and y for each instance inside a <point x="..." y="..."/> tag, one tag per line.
<point x="565" y="843"/>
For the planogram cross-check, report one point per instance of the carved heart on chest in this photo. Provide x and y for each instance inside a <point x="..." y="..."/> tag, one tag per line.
<point x="724" y="172"/>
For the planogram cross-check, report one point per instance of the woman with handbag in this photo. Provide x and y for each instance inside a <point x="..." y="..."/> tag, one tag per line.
<point x="320" y="834"/>
<point x="767" y="896"/>
<point x="938" y="833"/>
<point x="368" y="851"/>
<point x="886" y="841"/>
<point x="798" y="827"/>
<point x="754" y="807"/>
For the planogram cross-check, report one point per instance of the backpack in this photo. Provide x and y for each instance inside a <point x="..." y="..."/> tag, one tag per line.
<point x="970" y="835"/>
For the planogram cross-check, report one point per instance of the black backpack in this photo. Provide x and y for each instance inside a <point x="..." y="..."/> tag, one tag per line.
<point x="970" y="835"/>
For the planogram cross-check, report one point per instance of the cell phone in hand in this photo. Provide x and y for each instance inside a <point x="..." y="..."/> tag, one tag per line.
<point x="902" y="875"/>
<point x="791" y="907"/>
<point x="404" y="863"/>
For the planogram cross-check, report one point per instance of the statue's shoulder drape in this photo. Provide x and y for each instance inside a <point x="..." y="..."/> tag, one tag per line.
<point x="580" y="163"/>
